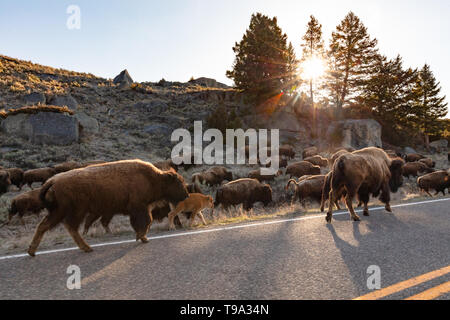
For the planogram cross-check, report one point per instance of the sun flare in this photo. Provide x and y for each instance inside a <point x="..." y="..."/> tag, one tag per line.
<point x="313" y="68"/>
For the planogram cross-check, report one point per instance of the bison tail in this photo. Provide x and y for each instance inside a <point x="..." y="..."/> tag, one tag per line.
<point x="46" y="196"/>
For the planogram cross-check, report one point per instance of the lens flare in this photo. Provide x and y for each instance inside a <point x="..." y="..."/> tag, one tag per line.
<point x="313" y="68"/>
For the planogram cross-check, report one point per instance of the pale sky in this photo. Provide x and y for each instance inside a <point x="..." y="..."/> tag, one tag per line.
<point x="177" y="39"/>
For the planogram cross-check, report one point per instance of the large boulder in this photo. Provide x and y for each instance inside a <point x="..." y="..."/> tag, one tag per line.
<point x="64" y="101"/>
<point x="88" y="125"/>
<point x="440" y="146"/>
<point x="209" y="83"/>
<point x="356" y="134"/>
<point x="43" y="128"/>
<point x="123" y="79"/>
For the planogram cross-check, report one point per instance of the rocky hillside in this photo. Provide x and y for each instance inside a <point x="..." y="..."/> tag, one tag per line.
<point x="112" y="119"/>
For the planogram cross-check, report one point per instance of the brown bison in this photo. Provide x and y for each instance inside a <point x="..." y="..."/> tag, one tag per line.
<point x="414" y="168"/>
<point x="194" y="204"/>
<point x="438" y="181"/>
<point x="283" y="163"/>
<point x="428" y="162"/>
<point x="16" y="176"/>
<point x="5" y="181"/>
<point x="25" y="203"/>
<point x="213" y="176"/>
<point x="67" y="166"/>
<point x="301" y="169"/>
<point x="310" y="152"/>
<point x="414" y="157"/>
<point x="130" y="187"/>
<point x="38" y="175"/>
<point x="317" y="161"/>
<point x="308" y="188"/>
<point x="243" y="191"/>
<point x="365" y="172"/>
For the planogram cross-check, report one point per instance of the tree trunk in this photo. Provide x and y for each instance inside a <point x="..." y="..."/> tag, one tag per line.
<point x="427" y="142"/>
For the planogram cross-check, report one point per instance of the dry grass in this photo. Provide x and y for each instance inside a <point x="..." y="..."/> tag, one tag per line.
<point x="36" y="109"/>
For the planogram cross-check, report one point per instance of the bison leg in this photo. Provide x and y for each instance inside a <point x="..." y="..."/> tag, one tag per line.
<point x="141" y="221"/>
<point x="386" y="196"/>
<point x="46" y="224"/>
<point x="90" y="219"/>
<point x="77" y="238"/>
<point x="173" y="214"/>
<point x="349" y="203"/>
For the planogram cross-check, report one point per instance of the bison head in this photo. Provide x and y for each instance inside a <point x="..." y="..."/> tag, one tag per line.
<point x="229" y="176"/>
<point x="266" y="194"/>
<point x="174" y="188"/>
<point x="5" y="181"/>
<point x="396" y="169"/>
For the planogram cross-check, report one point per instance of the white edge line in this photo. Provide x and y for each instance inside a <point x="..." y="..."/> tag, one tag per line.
<point x="243" y="226"/>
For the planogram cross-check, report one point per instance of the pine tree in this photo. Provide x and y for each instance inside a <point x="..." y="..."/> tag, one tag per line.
<point x="352" y="55"/>
<point x="313" y="46"/>
<point x="429" y="107"/>
<point x="390" y="91"/>
<point x="265" y="63"/>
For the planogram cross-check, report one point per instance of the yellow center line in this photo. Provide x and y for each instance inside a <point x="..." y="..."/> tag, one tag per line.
<point x="432" y="293"/>
<point x="405" y="284"/>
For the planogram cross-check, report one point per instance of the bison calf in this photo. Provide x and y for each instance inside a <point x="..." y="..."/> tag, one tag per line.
<point x="308" y="188"/>
<point x="28" y="202"/>
<point x="195" y="203"/>
<point x="414" y="168"/>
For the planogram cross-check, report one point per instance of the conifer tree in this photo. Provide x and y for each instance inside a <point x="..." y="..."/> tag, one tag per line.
<point x="352" y="54"/>
<point x="429" y="106"/>
<point x="265" y="62"/>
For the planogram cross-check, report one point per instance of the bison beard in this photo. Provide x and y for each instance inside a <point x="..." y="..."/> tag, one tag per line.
<point x="366" y="172"/>
<point x="127" y="187"/>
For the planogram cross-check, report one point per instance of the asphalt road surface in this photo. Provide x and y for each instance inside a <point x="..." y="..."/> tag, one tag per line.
<point x="289" y="259"/>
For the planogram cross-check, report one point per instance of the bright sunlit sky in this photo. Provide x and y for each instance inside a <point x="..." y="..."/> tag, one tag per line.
<point x="177" y="39"/>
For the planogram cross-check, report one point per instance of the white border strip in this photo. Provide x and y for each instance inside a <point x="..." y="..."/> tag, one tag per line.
<point x="243" y="226"/>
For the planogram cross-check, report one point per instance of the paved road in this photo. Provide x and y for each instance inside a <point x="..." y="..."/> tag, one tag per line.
<point x="302" y="259"/>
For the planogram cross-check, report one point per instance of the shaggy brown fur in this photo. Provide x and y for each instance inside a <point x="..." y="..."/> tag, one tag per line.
<point x="310" y="152"/>
<point x="127" y="187"/>
<point x="428" y="162"/>
<point x="166" y="165"/>
<point x="309" y="188"/>
<point x="413" y="157"/>
<point x="93" y="163"/>
<point x="195" y="203"/>
<point x="5" y="181"/>
<point x="213" y="176"/>
<point x="38" y="175"/>
<point x="256" y="174"/>
<point x="28" y="202"/>
<point x="243" y="191"/>
<point x="414" y="168"/>
<point x="301" y="169"/>
<point x="16" y="176"/>
<point x="365" y="172"/>
<point x="438" y="181"/>
<point x="317" y="161"/>
<point x="335" y="156"/>
<point x="67" y="166"/>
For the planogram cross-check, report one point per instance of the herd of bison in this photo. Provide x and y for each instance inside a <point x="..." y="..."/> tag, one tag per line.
<point x="74" y="193"/>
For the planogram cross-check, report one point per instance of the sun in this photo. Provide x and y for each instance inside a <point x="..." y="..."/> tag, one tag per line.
<point x="313" y="68"/>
